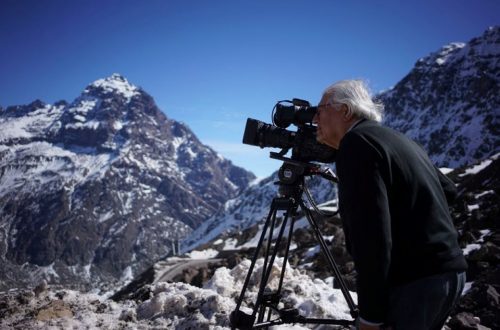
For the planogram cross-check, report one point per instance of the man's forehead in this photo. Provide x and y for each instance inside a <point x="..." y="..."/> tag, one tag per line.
<point x="325" y="97"/>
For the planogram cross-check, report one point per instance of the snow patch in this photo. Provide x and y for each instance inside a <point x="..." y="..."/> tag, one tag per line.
<point x="204" y="254"/>
<point x="471" y="247"/>
<point x="471" y="208"/>
<point x="127" y="275"/>
<point x="91" y="124"/>
<point x="477" y="168"/>
<point x="117" y="84"/>
<point x="230" y="244"/>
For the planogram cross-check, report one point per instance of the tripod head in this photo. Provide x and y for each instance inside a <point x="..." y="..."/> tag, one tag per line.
<point x="291" y="175"/>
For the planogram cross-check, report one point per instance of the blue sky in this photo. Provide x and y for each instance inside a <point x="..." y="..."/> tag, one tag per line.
<point x="212" y="64"/>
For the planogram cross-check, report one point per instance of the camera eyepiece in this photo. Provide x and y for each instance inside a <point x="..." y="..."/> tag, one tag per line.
<point x="299" y="113"/>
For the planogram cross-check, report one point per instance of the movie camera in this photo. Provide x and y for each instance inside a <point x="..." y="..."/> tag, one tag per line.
<point x="303" y="142"/>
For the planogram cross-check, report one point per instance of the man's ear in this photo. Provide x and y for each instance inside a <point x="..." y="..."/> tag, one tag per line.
<point x="347" y="112"/>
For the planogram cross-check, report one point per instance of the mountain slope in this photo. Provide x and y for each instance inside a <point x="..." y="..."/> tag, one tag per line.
<point x="249" y="208"/>
<point x="450" y="101"/>
<point x="97" y="189"/>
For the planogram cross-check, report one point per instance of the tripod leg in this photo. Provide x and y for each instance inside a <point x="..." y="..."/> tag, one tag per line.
<point x="285" y="260"/>
<point x="291" y="208"/>
<point x="331" y="260"/>
<point x="262" y="308"/>
<point x="290" y="233"/>
<point x="269" y="245"/>
<point x="263" y="280"/>
<point x="239" y="319"/>
<point x="271" y="215"/>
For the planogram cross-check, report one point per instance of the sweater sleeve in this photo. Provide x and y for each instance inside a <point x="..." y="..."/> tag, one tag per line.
<point x="449" y="188"/>
<point x="364" y="209"/>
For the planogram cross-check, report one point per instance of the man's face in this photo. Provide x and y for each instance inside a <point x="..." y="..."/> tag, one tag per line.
<point x="329" y="120"/>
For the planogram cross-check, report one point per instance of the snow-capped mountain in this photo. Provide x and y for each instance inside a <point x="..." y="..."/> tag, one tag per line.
<point x="97" y="189"/>
<point x="450" y="101"/>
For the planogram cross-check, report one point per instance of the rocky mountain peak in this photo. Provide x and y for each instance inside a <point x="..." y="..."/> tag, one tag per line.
<point x="483" y="46"/>
<point x="93" y="190"/>
<point x="440" y="57"/>
<point x="108" y="113"/>
<point x="22" y="110"/>
<point x="449" y="101"/>
<point x="114" y="85"/>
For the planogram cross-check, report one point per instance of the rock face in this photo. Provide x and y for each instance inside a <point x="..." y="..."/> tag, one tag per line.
<point x="95" y="190"/>
<point x="450" y="101"/>
<point x="476" y="212"/>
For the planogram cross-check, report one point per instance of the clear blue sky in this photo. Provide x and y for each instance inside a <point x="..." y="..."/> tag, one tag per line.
<point x="212" y="64"/>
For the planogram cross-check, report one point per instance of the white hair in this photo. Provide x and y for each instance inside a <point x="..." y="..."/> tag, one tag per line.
<point x="356" y="96"/>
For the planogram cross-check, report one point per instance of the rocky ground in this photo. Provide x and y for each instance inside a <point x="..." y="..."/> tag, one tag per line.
<point x="166" y="305"/>
<point x="202" y="298"/>
<point x="475" y="213"/>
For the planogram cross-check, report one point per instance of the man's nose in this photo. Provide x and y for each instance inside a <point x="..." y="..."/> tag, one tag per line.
<point x="315" y="118"/>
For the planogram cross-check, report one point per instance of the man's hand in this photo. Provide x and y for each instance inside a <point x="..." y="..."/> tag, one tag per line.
<point x="364" y="326"/>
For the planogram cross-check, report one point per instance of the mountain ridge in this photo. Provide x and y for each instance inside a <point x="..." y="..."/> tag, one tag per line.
<point x="96" y="189"/>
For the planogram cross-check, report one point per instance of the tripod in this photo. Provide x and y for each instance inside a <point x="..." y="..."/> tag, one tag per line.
<point x="291" y="187"/>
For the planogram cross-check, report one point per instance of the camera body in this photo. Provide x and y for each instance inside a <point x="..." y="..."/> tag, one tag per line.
<point x="303" y="142"/>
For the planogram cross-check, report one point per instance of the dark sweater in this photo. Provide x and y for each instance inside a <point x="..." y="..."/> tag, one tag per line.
<point x="395" y="214"/>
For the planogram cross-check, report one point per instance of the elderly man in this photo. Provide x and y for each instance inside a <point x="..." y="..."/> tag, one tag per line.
<point x="393" y="205"/>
